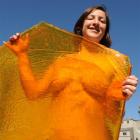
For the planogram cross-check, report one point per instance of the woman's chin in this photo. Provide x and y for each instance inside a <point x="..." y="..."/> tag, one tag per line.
<point x="93" y="37"/>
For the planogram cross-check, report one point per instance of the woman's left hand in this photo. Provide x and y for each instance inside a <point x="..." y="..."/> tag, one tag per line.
<point x="129" y="86"/>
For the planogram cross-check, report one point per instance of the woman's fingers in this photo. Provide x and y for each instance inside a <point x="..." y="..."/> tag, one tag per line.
<point x="128" y="90"/>
<point x="7" y="44"/>
<point x="12" y="41"/>
<point x="17" y="44"/>
<point x="14" y="38"/>
<point x="131" y="80"/>
<point x="129" y="86"/>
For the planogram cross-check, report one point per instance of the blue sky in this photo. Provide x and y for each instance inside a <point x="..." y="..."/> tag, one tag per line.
<point x="17" y="16"/>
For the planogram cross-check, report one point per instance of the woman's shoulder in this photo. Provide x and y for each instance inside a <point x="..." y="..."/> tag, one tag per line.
<point x="121" y="59"/>
<point x="118" y="54"/>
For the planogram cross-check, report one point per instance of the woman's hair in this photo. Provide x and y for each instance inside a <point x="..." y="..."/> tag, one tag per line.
<point x="106" y="40"/>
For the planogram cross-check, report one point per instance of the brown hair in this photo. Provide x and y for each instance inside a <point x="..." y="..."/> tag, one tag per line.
<point x="106" y="40"/>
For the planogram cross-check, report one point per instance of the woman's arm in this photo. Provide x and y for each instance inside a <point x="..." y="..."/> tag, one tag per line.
<point x="32" y="87"/>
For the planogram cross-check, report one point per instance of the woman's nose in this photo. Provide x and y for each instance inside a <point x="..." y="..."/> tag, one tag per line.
<point x="95" y="21"/>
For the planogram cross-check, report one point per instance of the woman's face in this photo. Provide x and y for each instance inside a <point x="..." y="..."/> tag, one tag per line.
<point x="94" y="26"/>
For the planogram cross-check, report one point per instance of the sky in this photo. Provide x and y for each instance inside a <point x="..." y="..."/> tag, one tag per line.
<point x="20" y="15"/>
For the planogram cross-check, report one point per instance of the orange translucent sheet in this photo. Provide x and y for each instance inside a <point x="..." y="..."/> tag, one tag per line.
<point x="84" y="102"/>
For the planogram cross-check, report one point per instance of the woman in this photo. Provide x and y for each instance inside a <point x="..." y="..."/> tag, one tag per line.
<point x="129" y="85"/>
<point x="75" y="104"/>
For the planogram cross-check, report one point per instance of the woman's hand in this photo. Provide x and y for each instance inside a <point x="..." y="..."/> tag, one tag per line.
<point x="129" y="86"/>
<point x="17" y="44"/>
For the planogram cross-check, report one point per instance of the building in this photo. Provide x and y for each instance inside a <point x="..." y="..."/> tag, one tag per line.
<point x="130" y="130"/>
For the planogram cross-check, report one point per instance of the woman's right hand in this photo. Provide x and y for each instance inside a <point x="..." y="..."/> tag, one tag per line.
<point x="17" y="44"/>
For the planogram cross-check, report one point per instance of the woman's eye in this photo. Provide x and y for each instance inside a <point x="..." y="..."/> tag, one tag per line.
<point x="102" y="21"/>
<point x="89" y="18"/>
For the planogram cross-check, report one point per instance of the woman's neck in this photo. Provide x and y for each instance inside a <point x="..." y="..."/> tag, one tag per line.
<point x="87" y="49"/>
<point x="86" y="54"/>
